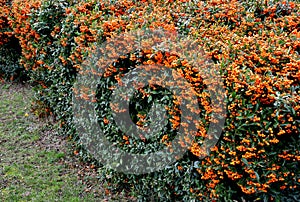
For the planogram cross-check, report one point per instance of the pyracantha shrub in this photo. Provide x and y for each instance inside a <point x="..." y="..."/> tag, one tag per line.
<point x="10" y="50"/>
<point x="254" y="45"/>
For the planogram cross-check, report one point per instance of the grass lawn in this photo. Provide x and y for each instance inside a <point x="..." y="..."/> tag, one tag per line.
<point x="35" y="163"/>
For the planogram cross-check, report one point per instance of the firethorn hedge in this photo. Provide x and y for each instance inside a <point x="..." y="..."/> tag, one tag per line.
<point x="10" y="49"/>
<point x="254" y="44"/>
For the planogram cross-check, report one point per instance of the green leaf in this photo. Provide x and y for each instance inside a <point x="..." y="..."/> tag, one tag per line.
<point x="245" y="162"/>
<point x="257" y="176"/>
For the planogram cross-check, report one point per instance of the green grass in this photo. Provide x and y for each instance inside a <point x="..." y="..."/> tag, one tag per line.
<point x="32" y="157"/>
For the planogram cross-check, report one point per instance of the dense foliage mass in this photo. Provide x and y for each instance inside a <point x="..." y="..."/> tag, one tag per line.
<point x="254" y="44"/>
<point x="10" y="49"/>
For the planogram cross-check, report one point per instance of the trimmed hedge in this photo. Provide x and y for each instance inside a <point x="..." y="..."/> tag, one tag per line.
<point x="255" y="46"/>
